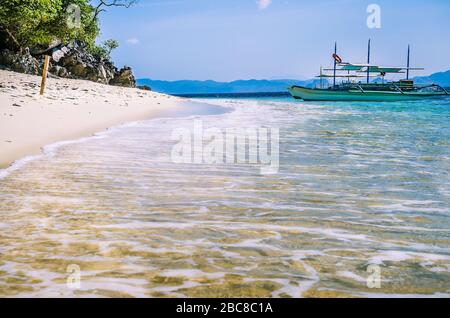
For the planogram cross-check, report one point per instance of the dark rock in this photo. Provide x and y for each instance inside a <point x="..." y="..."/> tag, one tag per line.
<point x="144" y="87"/>
<point x="69" y="61"/>
<point x="50" y="75"/>
<point x="20" y="62"/>
<point x="59" y="71"/>
<point x="82" y="65"/>
<point x="124" y="78"/>
<point x="46" y="49"/>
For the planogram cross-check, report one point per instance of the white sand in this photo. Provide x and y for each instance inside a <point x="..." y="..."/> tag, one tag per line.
<point x="69" y="109"/>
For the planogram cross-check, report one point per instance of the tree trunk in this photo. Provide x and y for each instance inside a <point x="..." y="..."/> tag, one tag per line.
<point x="13" y="38"/>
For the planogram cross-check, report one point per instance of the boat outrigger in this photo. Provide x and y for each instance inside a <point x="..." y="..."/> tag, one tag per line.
<point x="350" y="90"/>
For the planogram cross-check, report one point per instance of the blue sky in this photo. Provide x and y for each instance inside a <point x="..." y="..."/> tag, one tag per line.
<point x="265" y="39"/>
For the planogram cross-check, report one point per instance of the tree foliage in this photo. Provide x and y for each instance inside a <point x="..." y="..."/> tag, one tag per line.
<point x="110" y="45"/>
<point x="34" y="23"/>
<point x="40" y="22"/>
<point x="104" y="50"/>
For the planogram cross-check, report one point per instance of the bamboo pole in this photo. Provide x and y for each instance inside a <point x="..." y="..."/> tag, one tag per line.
<point x="44" y="74"/>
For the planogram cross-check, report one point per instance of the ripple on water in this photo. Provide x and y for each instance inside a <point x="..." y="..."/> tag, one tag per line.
<point x="357" y="186"/>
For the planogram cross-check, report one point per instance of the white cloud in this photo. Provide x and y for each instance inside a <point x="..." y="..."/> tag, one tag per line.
<point x="263" y="4"/>
<point x="133" y="41"/>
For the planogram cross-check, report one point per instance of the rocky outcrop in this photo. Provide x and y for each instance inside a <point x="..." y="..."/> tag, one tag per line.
<point x="144" y="87"/>
<point x="124" y="78"/>
<point x="80" y="64"/>
<point x="22" y="62"/>
<point x="59" y="71"/>
<point x="71" y="61"/>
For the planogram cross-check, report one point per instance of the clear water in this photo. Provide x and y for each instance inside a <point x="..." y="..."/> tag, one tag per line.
<point x="358" y="185"/>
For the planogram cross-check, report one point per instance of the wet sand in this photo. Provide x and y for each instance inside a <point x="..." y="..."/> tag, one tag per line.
<point x="69" y="109"/>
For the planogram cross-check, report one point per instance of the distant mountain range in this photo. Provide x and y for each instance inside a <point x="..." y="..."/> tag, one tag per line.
<point x="256" y="86"/>
<point x="441" y="78"/>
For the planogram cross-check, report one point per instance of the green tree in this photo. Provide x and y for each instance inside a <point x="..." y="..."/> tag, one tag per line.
<point x="40" y="22"/>
<point x="21" y="20"/>
<point x="31" y="23"/>
<point x="98" y="51"/>
<point x="103" y="51"/>
<point x="110" y="45"/>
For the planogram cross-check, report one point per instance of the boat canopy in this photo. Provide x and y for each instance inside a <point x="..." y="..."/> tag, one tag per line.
<point x="381" y="69"/>
<point x="340" y="75"/>
<point x="351" y="67"/>
<point x="371" y="68"/>
<point x="354" y="70"/>
<point x="347" y="67"/>
<point x="368" y="68"/>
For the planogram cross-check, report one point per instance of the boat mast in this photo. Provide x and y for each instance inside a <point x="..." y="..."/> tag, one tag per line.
<point x="334" y="69"/>
<point x="321" y="78"/>
<point x="407" y="64"/>
<point x="368" y="62"/>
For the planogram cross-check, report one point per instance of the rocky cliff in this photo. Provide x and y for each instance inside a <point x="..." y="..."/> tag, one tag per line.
<point x="71" y="61"/>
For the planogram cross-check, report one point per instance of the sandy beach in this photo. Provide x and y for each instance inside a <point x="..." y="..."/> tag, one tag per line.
<point x="69" y="109"/>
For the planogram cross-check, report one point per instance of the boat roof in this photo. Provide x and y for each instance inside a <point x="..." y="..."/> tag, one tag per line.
<point x="355" y="70"/>
<point x="348" y="67"/>
<point x="351" y="67"/>
<point x="380" y="69"/>
<point x="341" y="75"/>
<point x="373" y="68"/>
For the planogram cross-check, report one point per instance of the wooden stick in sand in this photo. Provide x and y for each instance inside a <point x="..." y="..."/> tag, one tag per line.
<point x="44" y="74"/>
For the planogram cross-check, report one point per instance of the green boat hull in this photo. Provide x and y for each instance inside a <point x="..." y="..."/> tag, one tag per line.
<point x="309" y="94"/>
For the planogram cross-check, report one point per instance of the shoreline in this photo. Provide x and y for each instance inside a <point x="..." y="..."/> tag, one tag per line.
<point x="69" y="110"/>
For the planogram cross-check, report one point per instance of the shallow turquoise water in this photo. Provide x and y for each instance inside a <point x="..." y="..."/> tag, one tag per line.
<point x="359" y="184"/>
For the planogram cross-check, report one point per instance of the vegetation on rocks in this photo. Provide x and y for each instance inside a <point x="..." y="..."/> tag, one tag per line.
<point x="30" y="28"/>
<point x="104" y="51"/>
